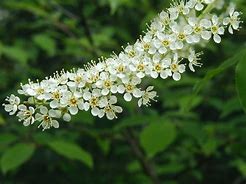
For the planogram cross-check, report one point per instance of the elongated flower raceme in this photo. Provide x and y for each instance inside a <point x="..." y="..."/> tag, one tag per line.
<point x="166" y="51"/>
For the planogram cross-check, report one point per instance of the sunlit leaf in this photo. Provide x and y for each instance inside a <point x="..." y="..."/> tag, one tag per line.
<point x="241" y="80"/>
<point x="157" y="137"/>
<point x="72" y="151"/>
<point x="16" y="156"/>
<point x="46" y="43"/>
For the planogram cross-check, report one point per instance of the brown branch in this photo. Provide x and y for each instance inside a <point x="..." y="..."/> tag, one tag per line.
<point x="146" y="164"/>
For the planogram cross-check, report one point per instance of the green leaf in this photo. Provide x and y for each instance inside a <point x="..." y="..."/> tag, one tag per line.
<point x="241" y="166"/>
<point x="224" y="66"/>
<point x="72" y="151"/>
<point x="6" y="139"/>
<point x="241" y="80"/>
<point x="209" y="147"/>
<point x="46" y="43"/>
<point x="16" y="53"/>
<point x="16" y="156"/>
<point x="2" y="120"/>
<point x="157" y="137"/>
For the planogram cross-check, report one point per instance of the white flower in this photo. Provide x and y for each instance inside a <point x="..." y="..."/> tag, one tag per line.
<point x="156" y="26"/>
<point x="46" y="118"/>
<point x="181" y="33"/>
<point x="26" y="114"/>
<point x="178" y="8"/>
<point x="197" y="4"/>
<point x="92" y="101"/>
<point x="132" y="51"/>
<point x="72" y="100"/>
<point x="109" y="108"/>
<point x="216" y="29"/>
<point x="165" y="18"/>
<point x="77" y="79"/>
<point x="147" y="96"/>
<point x="164" y="42"/>
<point x="12" y="106"/>
<point x="145" y="44"/>
<point x="106" y="82"/>
<point x="56" y="96"/>
<point x="175" y="68"/>
<point x="233" y="21"/>
<point x="140" y="66"/>
<point x="129" y="88"/>
<point x="118" y="66"/>
<point x="159" y="66"/>
<point x="193" y="60"/>
<point x="199" y="29"/>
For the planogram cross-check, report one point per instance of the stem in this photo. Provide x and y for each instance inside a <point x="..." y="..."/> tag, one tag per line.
<point x="207" y="10"/>
<point x="146" y="164"/>
<point x="87" y="29"/>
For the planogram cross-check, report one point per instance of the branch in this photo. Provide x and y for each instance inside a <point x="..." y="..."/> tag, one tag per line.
<point x="146" y="164"/>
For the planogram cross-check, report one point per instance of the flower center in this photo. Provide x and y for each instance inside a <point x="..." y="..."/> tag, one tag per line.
<point x="73" y="101"/>
<point x="107" y="108"/>
<point x="197" y="29"/>
<point x="181" y="36"/>
<point x="129" y="88"/>
<point x="140" y="67"/>
<point x="131" y="53"/>
<point x="158" y="68"/>
<point x="56" y="95"/>
<point x="40" y="91"/>
<point x="107" y="84"/>
<point x="94" y="101"/>
<point x="121" y="68"/>
<point x="78" y="79"/>
<point x="165" y="43"/>
<point x="146" y="46"/>
<point x="174" y="67"/>
<point x="46" y="118"/>
<point x="28" y="113"/>
<point x="94" y="78"/>
<point x="214" y="29"/>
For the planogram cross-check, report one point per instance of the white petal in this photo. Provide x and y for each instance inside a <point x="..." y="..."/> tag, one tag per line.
<point x="176" y="76"/>
<point x="67" y="117"/>
<point x="22" y="107"/>
<point x="73" y="110"/>
<point x="217" y="38"/>
<point x="54" y="104"/>
<point x="163" y="74"/>
<point x="87" y="95"/>
<point x="206" y="35"/>
<point x="43" y="110"/>
<point x="26" y="123"/>
<point x="121" y="89"/>
<point x="137" y="93"/>
<point x="95" y="111"/>
<point x="127" y="97"/>
<point x="55" y="124"/>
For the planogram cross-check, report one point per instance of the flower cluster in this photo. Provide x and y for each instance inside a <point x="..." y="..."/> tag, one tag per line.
<point x="163" y="51"/>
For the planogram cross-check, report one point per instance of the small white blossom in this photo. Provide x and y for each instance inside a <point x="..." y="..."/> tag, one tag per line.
<point x="12" y="106"/>
<point x="46" y="118"/>
<point x="193" y="60"/>
<point x="26" y="114"/>
<point x="147" y="96"/>
<point x="233" y="21"/>
<point x="216" y="29"/>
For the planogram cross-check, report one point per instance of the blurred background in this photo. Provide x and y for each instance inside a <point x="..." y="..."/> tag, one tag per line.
<point x="195" y="133"/>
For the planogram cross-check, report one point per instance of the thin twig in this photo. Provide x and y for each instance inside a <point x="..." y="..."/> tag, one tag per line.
<point x="146" y="164"/>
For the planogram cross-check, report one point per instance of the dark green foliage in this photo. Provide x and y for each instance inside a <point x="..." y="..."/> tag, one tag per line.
<point x="195" y="133"/>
